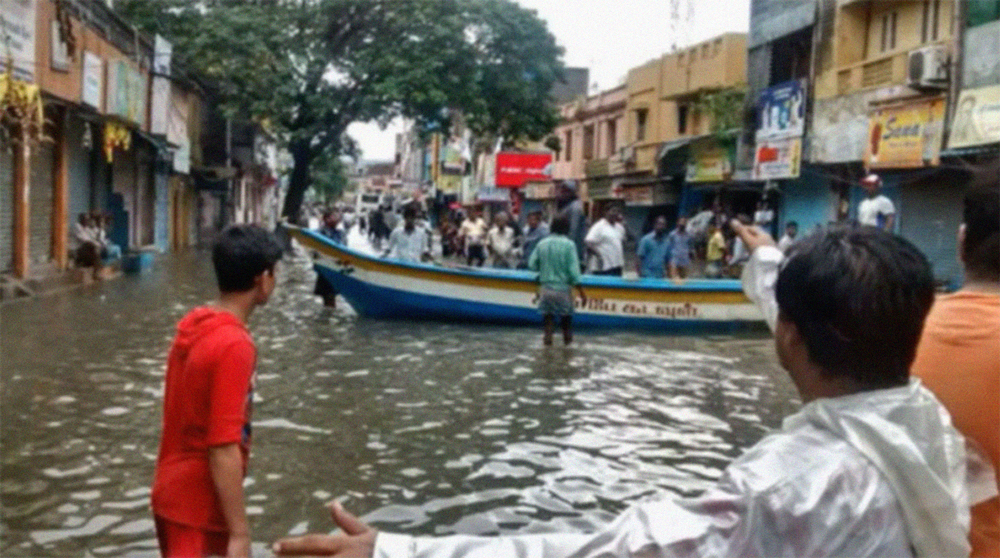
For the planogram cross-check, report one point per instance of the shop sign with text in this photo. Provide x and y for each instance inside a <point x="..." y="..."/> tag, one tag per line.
<point x="905" y="135"/>
<point x="17" y="38"/>
<point x="777" y="158"/>
<point x="513" y="169"/>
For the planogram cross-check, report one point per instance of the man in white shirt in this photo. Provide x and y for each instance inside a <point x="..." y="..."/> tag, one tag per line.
<point x="500" y="242"/>
<point x="409" y="242"/>
<point x="876" y="210"/>
<point x="605" y="240"/>
<point x="870" y="466"/>
<point x="472" y="235"/>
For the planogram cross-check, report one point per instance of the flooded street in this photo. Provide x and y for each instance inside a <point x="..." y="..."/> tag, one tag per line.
<point x="422" y="427"/>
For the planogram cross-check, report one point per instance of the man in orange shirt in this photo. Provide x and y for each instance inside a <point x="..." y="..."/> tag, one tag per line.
<point x="959" y="353"/>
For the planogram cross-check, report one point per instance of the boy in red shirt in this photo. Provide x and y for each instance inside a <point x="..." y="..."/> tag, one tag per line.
<point x="197" y="495"/>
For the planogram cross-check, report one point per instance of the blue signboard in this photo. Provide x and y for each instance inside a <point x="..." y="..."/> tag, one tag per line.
<point x="782" y="111"/>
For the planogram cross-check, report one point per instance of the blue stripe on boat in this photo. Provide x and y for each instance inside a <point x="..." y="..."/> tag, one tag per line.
<point x="382" y="302"/>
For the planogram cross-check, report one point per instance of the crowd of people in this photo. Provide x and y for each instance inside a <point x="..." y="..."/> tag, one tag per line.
<point x="899" y="391"/>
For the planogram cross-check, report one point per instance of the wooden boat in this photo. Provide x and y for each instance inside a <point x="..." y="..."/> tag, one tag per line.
<point x="391" y="289"/>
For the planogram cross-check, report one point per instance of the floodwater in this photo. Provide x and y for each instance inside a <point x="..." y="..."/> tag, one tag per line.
<point x="421" y="427"/>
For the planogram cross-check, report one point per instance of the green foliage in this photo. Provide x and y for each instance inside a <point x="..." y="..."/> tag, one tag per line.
<point x="724" y="108"/>
<point x="554" y="143"/>
<point x="328" y="175"/>
<point x="310" y="68"/>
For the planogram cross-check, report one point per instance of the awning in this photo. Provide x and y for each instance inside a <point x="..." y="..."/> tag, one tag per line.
<point x="674" y="145"/>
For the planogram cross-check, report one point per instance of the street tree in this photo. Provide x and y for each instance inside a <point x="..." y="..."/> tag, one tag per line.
<point x="310" y="68"/>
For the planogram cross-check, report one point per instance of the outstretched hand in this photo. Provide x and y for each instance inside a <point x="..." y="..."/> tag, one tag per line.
<point x="356" y="541"/>
<point x="753" y="237"/>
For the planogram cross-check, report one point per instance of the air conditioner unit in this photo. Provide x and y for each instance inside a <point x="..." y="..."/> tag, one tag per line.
<point x="628" y="154"/>
<point x="927" y="68"/>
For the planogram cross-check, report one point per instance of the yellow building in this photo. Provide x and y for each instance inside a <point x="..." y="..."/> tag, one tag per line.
<point x="880" y="52"/>
<point x="663" y="95"/>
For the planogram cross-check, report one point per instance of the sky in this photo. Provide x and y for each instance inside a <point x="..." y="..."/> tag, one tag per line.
<point x="607" y="36"/>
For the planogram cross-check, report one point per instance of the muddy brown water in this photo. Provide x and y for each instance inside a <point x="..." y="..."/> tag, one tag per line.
<point x="423" y="428"/>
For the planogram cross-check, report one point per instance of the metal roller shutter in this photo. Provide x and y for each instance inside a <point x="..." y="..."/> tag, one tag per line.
<point x="929" y="217"/>
<point x="40" y="202"/>
<point x="6" y="207"/>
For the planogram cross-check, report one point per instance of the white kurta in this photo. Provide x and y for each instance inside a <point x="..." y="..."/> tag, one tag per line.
<point x="878" y="473"/>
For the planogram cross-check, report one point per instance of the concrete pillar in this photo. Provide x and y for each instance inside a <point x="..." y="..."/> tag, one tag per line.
<point x="22" y="174"/>
<point x="60" y="196"/>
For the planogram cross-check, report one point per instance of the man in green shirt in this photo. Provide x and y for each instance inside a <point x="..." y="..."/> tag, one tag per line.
<point x="558" y="266"/>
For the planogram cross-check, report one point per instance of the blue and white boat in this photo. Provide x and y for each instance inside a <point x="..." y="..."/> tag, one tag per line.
<point x="390" y="289"/>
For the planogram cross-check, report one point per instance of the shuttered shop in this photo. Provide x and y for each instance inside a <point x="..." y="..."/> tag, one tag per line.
<point x="40" y="202"/>
<point x="930" y="214"/>
<point x="6" y="207"/>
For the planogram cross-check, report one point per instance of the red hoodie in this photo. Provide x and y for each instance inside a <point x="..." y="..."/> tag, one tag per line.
<point x="208" y="391"/>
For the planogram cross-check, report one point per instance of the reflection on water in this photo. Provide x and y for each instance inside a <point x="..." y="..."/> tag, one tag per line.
<point x="426" y="428"/>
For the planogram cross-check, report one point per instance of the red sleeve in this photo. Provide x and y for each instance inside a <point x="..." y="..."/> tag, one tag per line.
<point x="230" y="392"/>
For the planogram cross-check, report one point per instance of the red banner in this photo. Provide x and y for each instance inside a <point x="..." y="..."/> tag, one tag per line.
<point x="515" y="169"/>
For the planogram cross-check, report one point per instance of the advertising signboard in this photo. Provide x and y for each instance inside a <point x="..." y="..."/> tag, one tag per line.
<point x="126" y="96"/>
<point x="513" y="169"/>
<point x="782" y="111"/>
<point x="709" y="162"/>
<point x="158" y="113"/>
<point x="977" y="118"/>
<point x="905" y="135"/>
<point x="777" y="158"/>
<point x="17" y="38"/>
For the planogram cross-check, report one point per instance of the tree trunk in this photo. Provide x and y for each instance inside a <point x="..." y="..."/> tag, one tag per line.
<point x="302" y="156"/>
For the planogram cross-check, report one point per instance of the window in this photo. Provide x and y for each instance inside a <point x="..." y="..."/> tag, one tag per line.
<point x="889" y="31"/>
<point x="569" y="145"/>
<point x="932" y="13"/>
<point x="640" y="124"/>
<point x="704" y="51"/>
<point x="612" y="138"/>
<point x="588" y="142"/>
<point x="682" y="119"/>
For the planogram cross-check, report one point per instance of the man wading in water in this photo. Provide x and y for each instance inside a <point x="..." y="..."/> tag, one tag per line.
<point x="870" y="466"/>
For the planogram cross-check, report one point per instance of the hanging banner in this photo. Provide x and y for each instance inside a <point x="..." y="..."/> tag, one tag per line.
<point x="977" y="118"/>
<point x="906" y="135"/>
<point x="93" y="80"/>
<point x="777" y="158"/>
<point x="17" y="38"/>
<point x="782" y="111"/>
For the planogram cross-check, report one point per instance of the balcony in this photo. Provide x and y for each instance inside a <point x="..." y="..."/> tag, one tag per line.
<point x="879" y="72"/>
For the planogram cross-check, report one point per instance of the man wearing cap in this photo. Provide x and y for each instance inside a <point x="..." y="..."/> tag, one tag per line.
<point x="571" y="206"/>
<point x="876" y="210"/>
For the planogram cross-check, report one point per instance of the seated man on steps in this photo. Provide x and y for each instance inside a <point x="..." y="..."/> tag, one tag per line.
<point x="870" y="466"/>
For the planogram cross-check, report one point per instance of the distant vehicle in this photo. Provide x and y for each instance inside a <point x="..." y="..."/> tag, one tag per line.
<point x="368" y="202"/>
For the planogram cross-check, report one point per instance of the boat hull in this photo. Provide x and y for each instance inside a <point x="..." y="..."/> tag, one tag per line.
<point x="388" y="289"/>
